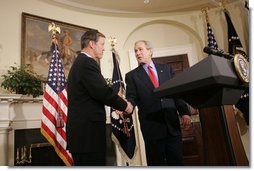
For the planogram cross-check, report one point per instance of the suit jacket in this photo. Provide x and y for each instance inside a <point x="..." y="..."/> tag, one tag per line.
<point x="88" y="94"/>
<point x="158" y="116"/>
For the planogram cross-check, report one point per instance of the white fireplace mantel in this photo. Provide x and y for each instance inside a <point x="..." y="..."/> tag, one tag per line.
<point x="19" y="112"/>
<point x="16" y="112"/>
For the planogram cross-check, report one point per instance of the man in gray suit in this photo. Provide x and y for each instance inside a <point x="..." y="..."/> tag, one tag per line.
<point x="88" y="93"/>
<point x="159" y="119"/>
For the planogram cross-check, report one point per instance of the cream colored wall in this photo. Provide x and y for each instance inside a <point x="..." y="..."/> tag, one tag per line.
<point x="167" y="31"/>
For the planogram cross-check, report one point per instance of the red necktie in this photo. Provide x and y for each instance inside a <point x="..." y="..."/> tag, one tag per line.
<point x="152" y="77"/>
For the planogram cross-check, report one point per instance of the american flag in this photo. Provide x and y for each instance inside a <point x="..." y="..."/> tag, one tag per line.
<point x="211" y="38"/>
<point x="122" y="126"/>
<point x="55" y="106"/>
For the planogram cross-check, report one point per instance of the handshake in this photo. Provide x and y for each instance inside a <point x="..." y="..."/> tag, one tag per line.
<point x="128" y="109"/>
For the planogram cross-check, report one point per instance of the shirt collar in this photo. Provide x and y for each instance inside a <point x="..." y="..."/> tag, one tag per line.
<point x="86" y="54"/>
<point x="151" y="65"/>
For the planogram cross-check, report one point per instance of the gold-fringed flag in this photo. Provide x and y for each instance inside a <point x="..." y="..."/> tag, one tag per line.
<point x="235" y="46"/>
<point x="234" y="43"/>
<point x="122" y="125"/>
<point x="55" y="105"/>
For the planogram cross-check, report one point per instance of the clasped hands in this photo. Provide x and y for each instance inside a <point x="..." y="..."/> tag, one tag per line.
<point x="127" y="110"/>
<point x="129" y="107"/>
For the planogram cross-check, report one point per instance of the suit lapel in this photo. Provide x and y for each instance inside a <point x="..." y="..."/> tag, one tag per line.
<point x="161" y="73"/>
<point x="144" y="77"/>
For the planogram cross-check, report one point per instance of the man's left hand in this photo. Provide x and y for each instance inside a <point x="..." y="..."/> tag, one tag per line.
<point x="186" y="121"/>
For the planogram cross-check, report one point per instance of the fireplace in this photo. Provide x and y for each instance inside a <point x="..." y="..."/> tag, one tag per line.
<point x="22" y="144"/>
<point x="32" y="149"/>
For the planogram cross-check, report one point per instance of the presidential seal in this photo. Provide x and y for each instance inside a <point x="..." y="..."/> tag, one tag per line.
<point x="241" y="67"/>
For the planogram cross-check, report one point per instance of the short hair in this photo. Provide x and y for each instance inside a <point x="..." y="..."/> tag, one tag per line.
<point x="90" y="35"/>
<point x="147" y="44"/>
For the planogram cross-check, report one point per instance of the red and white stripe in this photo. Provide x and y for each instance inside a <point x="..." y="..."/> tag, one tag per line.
<point x="52" y="102"/>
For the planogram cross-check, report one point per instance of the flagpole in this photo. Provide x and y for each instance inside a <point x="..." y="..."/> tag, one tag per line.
<point x="112" y="41"/>
<point x="124" y="120"/>
<point x="54" y="30"/>
<point x="204" y="10"/>
<point x="121" y="86"/>
<point x="55" y="102"/>
<point x="224" y="2"/>
<point x="212" y="43"/>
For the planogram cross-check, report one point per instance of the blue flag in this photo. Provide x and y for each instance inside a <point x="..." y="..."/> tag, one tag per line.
<point x="234" y="43"/>
<point x="235" y="46"/>
<point x="122" y="125"/>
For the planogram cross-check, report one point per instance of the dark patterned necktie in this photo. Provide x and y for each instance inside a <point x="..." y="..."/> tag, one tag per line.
<point x="152" y="77"/>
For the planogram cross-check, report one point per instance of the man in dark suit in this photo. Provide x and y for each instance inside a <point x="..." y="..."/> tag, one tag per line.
<point x="159" y="119"/>
<point x="88" y="93"/>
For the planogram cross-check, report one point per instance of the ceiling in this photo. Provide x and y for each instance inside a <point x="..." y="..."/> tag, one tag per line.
<point x="137" y="8"/>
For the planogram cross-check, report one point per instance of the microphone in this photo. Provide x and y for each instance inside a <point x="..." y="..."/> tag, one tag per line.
<point x="216" y="52"/>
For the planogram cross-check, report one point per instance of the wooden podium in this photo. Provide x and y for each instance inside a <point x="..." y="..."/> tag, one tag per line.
<point x="213" y="87"/>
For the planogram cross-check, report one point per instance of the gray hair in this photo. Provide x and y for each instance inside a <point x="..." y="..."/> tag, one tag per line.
<point x="147" y="44"/>
<point x="90" y="35"/>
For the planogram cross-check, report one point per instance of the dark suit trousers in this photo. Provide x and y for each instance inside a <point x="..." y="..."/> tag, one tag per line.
<point x="164" y="152"/>
<point x="89" y="159"/>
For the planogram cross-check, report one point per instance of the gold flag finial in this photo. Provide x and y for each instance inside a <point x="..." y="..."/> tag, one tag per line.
<point x="204" y="10"/>
<point x="54" y="30"/>
<point x="224" y="2"/>
<point x="112" y="41"/>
